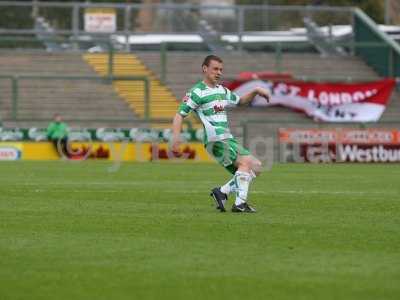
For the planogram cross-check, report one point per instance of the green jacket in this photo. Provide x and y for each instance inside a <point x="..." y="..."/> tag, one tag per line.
<point x="57" y="130"/>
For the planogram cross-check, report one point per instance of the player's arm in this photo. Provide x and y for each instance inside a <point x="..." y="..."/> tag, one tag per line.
<point x="176" y="132"/>
<point x="246" y="99"/>
<point x="189" y="103"/>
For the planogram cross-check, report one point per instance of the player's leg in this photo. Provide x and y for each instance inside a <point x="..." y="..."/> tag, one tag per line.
<point x="238" y="161"/>
<point x="224" y="155"/>
<point x="249" y="164"/>
<point x="248" y="167"/>
<point x="229" y="187"/>
<point x="244" y="175"/>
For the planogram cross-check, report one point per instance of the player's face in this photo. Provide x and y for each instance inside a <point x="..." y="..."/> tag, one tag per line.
<point x="213" y="71"/>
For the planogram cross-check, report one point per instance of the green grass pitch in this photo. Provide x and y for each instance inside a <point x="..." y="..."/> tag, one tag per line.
<point x="72" y="230"/>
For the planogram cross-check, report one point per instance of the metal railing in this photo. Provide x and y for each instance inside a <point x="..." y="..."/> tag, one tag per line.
<point x="231" y="21"/>
<point x="176" y="18"/>
<point x="220" y="26"/>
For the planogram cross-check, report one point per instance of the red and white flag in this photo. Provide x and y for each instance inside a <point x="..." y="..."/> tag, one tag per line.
<point x="329" y="102"/>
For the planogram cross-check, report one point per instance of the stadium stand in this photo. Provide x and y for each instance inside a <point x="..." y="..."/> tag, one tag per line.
<point x="163" y="102"/>
<point x="74" y="99"/>
<point x="125" y="99"/>
<point x="40" y="99"/>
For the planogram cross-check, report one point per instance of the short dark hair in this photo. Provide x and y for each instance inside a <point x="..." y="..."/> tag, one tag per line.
<point x="209" y="58"/>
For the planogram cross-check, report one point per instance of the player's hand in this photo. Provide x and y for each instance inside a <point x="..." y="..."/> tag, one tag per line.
<point x="264" y="93"/>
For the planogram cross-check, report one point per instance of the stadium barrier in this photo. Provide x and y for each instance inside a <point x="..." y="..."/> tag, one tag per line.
<point x="107" y="151"/>
<point x="103" y="134"/>
<point x="296" y="141"/>
<point x="341" y="145"/>
<point x="133" y="144"/>
<point x="271" y="142"/>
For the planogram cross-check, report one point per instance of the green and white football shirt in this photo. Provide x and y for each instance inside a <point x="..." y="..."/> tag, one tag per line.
<point x="210" y="105"/>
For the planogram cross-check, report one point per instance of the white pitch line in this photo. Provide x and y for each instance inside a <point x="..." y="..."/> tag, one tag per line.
<point x="310" y="192"/>
<point x="120" y="183"/>
<point x="297" y="192"/>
